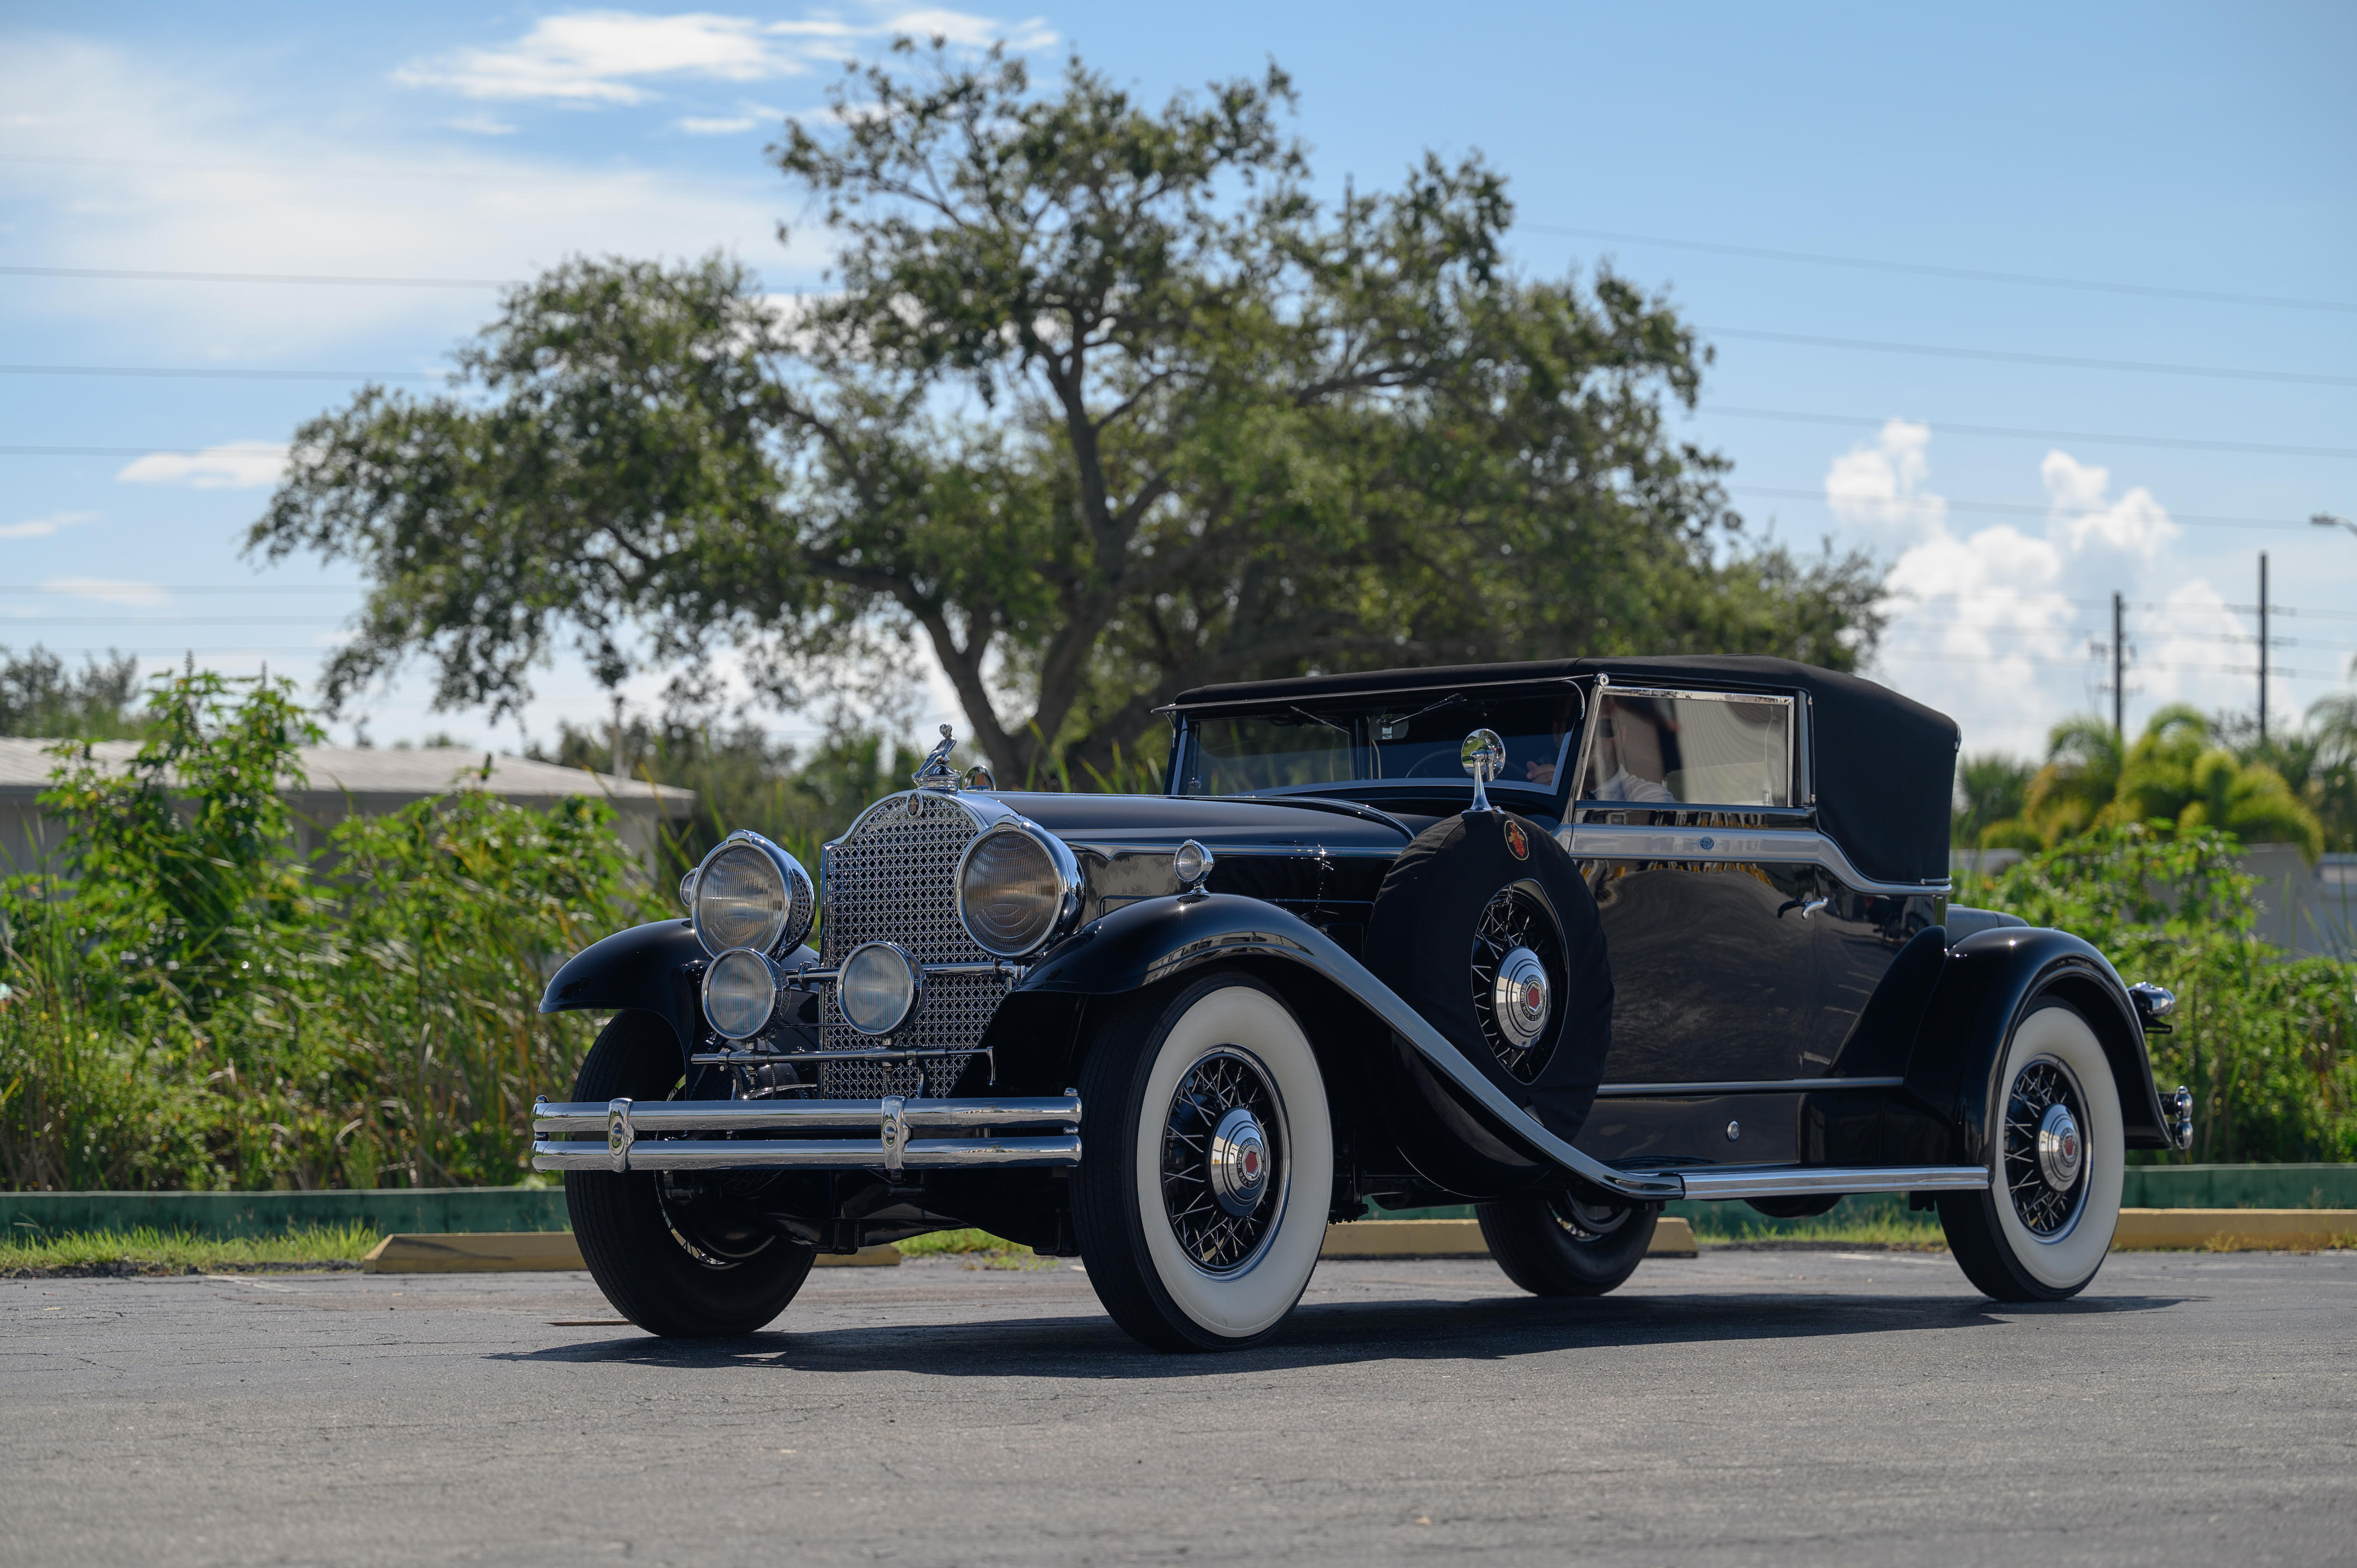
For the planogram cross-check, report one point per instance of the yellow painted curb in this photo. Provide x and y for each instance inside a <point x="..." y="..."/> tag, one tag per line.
<point x="1672" y="1238"/>
<point x="523" y="1251"/>
<point x="2232" y="1230"/>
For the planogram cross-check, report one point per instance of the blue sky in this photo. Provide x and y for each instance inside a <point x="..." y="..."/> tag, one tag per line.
<point x="2169" y="157"/>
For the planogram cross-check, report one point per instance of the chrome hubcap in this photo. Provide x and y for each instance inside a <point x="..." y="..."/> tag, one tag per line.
<point x="1518" y="997"/>
<point x="1239" y="1162"/>
<point x="2058" y="1147"/>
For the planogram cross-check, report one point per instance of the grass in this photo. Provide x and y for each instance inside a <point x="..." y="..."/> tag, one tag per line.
<point x="148" y="1250"/>
<point x="1881" y="1219"/>
<point x="979" y="1249"/>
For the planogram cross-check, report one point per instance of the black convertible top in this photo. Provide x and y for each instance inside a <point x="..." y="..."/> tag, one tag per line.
<point x="1883" y="765"/>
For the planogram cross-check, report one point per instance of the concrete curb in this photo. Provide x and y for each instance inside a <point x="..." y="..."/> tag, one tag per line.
<point x="1672" y="1238"/>
<point x="525" y="1252"/>
<point x="2232" y="1230"/>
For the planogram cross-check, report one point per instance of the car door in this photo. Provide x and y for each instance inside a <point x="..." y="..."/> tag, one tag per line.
<point x="1684" y="827"/>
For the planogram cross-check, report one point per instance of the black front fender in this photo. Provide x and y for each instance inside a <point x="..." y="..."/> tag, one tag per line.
<point x="1989" y="981"/>
<point x="651" y="968"/>
<point x="1157" y="938"/>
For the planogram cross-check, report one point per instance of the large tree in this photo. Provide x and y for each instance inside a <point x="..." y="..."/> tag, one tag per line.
<point x="1100" y="402"/>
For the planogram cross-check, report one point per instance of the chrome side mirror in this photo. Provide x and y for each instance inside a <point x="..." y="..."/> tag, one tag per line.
<point x="1483" y="754"/>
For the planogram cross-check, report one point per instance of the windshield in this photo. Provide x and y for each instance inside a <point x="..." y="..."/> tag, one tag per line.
<point x="1387" y="739"/>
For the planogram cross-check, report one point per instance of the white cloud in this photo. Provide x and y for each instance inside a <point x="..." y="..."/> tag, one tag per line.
<point x="480" y="125"/>
<point x="732" y="125"/>
<point x="174" y="169"/>
<point x="105" y="591"/>
<point x="42" y="527"/>
<point x="600" y="59"/>
<point x="1882" y="485"/>
<point x="2136" y="523"/>
<point x="231" y="465"/>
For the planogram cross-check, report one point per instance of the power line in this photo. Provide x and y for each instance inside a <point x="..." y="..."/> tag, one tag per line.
<point x="1925" y="269"/>
<point x="338" y="280"/>
<point x="1904" y="657"/>
<point x="221" y="372"/>
<point x="2009" y="509"/>
<point x="2009" y="356"/>
<point x="353" y="171"/>
<point x="2013" y="432"/>
<point x="74" y="591"/>
<point x="135" y="622"/>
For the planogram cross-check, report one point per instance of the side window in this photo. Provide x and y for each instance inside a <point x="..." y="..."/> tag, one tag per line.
<point x="1691" y="748"/>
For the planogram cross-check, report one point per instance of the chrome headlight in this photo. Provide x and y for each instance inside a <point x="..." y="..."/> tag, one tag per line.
<point x="1016" y="887"/>
<point x="878" y="988"/>
<point x="749" y="893"/>
<point x="740" y="991"/>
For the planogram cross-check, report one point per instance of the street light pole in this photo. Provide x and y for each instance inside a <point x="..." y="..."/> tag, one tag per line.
<point x="2119" y="670"/>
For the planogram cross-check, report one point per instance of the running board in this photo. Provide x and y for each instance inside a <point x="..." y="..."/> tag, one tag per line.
<point x="1710" y="1183"/>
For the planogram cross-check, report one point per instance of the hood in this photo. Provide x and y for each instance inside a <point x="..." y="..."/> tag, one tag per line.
<point x="1128" y="824"/>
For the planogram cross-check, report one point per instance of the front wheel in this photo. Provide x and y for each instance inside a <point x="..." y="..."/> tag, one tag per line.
<point x="664" y="1261"/>
<point x="1201" y="1202"/>
<point x="2041" y="1229"/>
<point x="1554" y="1245"/>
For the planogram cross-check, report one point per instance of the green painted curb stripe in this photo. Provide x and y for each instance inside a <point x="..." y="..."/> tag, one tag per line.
<point x="431" y="1209"/>
<point x="444" y="1210"/>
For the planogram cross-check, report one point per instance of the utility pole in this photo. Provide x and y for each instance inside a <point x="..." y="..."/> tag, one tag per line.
<point x="2119" y="668"/>
<point x="2263" y="648"/>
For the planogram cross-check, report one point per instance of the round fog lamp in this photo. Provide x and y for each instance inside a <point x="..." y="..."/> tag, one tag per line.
<point x="878" y="986"/>
<point x="740" y="990"/>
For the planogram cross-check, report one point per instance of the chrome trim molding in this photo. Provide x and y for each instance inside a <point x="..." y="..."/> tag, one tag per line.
<point x="1741" y="1086"/>
<point x="1775" y="846"/>
<point x="1711" y="1183"/>
<point x="635" y="1136"/>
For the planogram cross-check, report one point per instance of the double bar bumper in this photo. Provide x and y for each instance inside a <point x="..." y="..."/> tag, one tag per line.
<point x="648" y="1136"/>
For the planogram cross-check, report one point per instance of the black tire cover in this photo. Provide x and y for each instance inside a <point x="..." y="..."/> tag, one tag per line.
<point x="1420" y="940"/>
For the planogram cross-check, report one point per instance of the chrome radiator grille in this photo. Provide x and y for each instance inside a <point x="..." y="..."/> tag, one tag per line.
<point x="893" y="878"/>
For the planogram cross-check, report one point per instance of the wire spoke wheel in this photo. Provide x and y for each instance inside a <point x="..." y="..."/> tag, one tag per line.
<point x="1222" y="1159"/>
<point x="1588" y="1221"/>
<point x="1519" y="968"/>
<point x="2046" y="1162"/>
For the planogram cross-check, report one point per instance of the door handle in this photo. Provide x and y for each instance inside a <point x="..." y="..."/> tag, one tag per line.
<point x="1812" y="905"/>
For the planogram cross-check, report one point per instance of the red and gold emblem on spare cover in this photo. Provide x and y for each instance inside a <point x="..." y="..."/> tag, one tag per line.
<point x="1517" y="843"/>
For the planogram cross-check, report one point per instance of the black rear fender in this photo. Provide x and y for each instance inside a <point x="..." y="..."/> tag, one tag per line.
<point x="1989" y="981"/>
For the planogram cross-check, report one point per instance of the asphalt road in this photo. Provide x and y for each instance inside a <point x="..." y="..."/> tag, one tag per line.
<point x="1744" y="1408"/>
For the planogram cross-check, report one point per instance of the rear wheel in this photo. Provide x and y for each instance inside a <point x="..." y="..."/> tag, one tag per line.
<point x="1201" y="1202"/>
<point x="2044" y="1225"/>
<point x="1552" y="1244"/>
<point x="670" y="1264"/>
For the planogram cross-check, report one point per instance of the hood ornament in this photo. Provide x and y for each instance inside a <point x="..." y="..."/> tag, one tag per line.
<point x="936" y="772"/>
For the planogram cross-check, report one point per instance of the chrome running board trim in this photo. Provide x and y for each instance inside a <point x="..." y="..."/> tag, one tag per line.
<point x="635" y="1135"/>
<point x="1705" y="1183"/>
<point x="1741" y="1086"/>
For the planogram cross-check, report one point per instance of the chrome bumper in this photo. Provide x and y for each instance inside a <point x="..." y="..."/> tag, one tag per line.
<point x="634" y="1136"/>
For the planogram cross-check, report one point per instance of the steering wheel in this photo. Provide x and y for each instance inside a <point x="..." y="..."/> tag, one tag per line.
<point x="1438" y="764"/>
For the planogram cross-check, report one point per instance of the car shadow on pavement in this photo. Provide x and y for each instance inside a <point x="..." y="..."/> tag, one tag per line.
<point x="1090" y="1346"/>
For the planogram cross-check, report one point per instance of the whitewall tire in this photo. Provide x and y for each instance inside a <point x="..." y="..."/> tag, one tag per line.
<point x="2044" y="1227"/>
<point x="1208" y="1163"/>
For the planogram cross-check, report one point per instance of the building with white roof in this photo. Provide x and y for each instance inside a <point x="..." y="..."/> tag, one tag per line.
<point x="341" y="780"/>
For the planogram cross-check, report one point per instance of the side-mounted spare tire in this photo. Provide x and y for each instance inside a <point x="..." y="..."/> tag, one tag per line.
<point x="1486" y="928"/>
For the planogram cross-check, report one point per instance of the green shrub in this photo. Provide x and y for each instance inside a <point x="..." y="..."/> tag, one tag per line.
<point x="2266" y="1042"/>
<point x="187" y="1005"/>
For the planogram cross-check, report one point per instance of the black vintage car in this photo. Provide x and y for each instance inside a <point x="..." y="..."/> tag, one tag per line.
<point x="1566" y="941"/>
